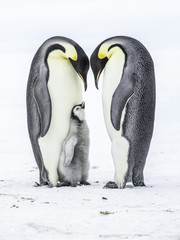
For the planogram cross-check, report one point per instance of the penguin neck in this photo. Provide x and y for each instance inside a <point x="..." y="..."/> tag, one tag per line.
<point x="77" y="121"/>
<point x="56" y="54"/>
<point x="75" y="125"/>
<point x="114" y="69"/>
<point x="112" y="76"/>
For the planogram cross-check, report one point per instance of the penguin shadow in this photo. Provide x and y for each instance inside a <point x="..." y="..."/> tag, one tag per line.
<point x="128" y="185"/>
<point x="97" y="184"/>
<point x="69" y="184"/>
<point x="64" y="184"/>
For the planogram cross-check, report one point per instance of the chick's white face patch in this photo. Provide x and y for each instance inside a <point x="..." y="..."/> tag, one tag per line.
<point x="79" y="112"/>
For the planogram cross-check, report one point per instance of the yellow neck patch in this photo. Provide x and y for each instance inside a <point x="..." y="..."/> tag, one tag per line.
<point x="69" y="53"/>
<point x="103" y="50"/>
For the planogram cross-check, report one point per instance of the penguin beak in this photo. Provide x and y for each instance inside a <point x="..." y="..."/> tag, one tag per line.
<point x="83" y="105"/>
<point x="97" y="78"/>
<point x="97" y="66"/>
<point x="84" y="81"/>
<point x="101" y="65"/>
<point x="81" y="68"/>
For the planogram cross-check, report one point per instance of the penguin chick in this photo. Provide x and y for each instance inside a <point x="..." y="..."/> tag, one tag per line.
<point x="74" y="162"/>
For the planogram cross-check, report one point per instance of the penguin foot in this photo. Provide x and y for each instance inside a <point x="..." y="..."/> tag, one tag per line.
<point x="37" y="184"/>
<point x="84" y="182"/>
<point x="42" y="183"/>
<point x="74" y="184"/>
<point x="111" y="185"/>
<point x="139" y="184"/>
<point x="67" y="184"/>
<point x="63" y="184"/>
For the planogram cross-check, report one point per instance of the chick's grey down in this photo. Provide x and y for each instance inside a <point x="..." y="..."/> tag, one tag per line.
<point x="74" y="159"/>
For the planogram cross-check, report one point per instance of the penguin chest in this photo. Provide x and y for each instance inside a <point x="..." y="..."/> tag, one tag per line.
<point x="120" y="146"/>
<point x="65" y="90"/>
<point x="112" y="76"/>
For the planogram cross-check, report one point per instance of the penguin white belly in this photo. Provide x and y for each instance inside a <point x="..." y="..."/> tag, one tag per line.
<point x="120" y="146"/>
<point x="65" y="91"/>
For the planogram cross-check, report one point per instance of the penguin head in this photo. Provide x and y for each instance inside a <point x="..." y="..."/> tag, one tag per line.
<point x="80" y="62"/>
<point x="97" y="64"/>
<point x="100" y="57"/>
<point x="70" y="50"/>
<point x="78" y="112"/>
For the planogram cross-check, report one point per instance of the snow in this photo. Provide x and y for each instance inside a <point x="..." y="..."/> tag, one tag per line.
<point x="28" y="212"/>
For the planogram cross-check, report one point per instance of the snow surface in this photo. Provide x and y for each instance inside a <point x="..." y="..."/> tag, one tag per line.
<point x="28" y="212"/>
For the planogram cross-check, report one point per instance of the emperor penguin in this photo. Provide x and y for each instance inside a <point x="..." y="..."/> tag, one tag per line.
<point x="128" y="98"/>
<point x="74" y="159"/>
<point x="53" y="88"/>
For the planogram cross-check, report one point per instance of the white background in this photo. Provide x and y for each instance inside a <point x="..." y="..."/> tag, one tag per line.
<point x="27" y="212"/>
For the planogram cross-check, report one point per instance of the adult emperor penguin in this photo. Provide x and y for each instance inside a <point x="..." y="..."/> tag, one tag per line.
<point x="128" y="98"/>
<point x="54" y="87"/>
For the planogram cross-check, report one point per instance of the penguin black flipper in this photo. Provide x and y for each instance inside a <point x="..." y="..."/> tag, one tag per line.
<point x="38" y="122"/>
<point x="120" y="97"/>
<point x="43" y="101"/>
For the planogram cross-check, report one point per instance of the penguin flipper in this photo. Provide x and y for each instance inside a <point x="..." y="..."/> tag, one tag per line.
<point x="120" y="97"/>
<point x="43" y="100"/>
<point x="69" y="150"/>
